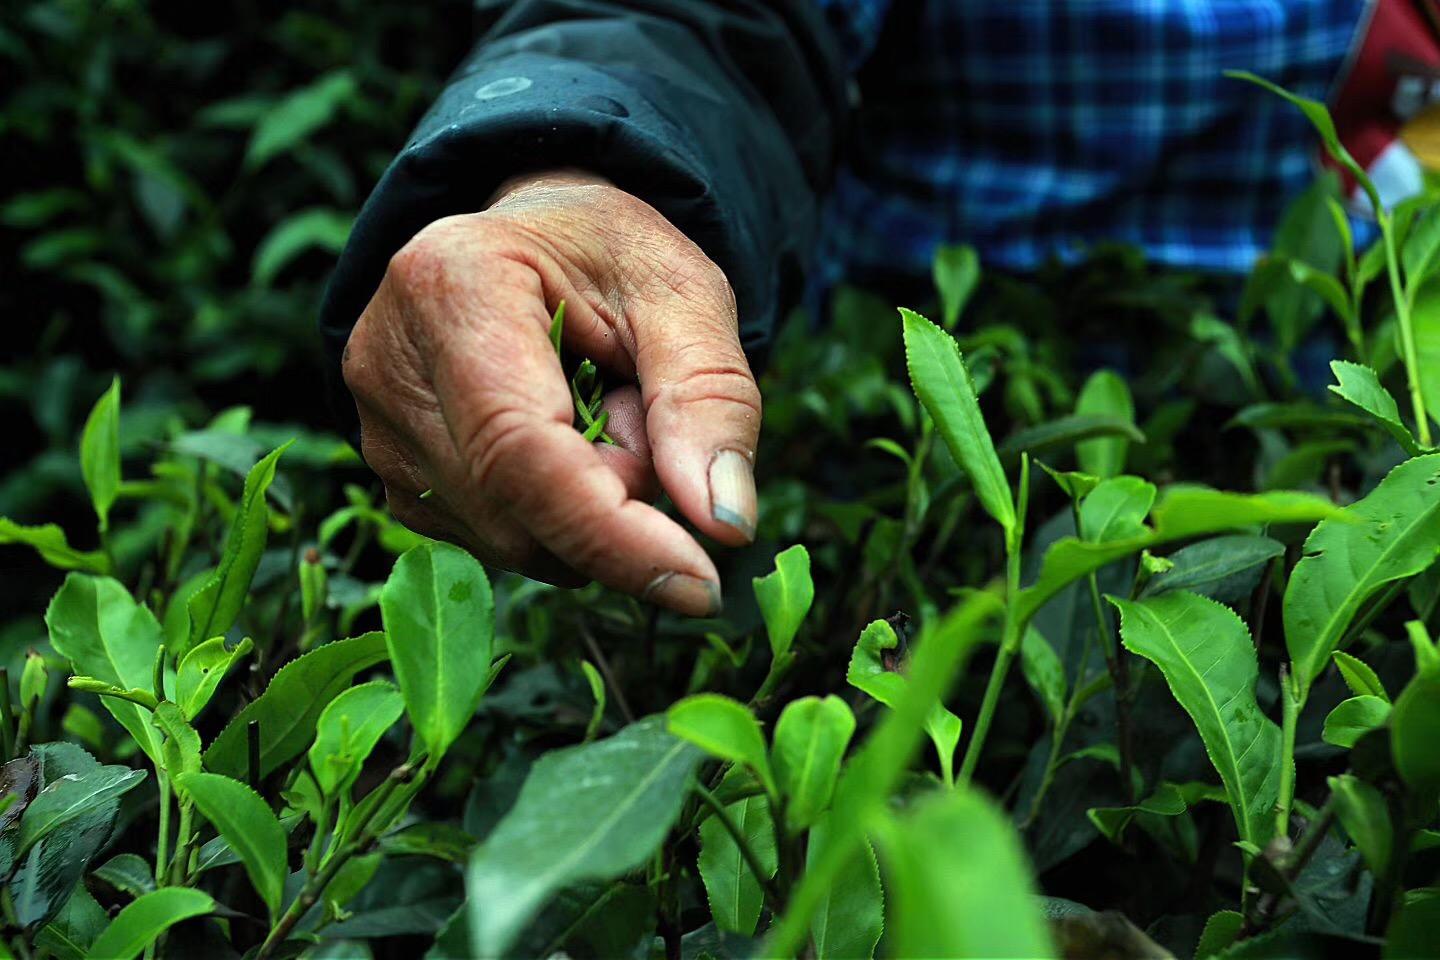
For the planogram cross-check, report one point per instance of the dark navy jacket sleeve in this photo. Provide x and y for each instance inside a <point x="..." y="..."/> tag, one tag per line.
<point x="722" y="114"/>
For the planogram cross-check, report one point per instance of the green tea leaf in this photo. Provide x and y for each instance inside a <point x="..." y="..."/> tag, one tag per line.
<point x="144" y="920"/>
<point x="1105" y="394"/>
<point x="1391" y="534"/>
<point x="960" y="883"/>
<point x="248" y="825"/>
<point x="810" y="740"/>
<point x="597" y="693"/>
<point x="215" y="606"/>
<point x="1205" y="653"/>
<point x="1425" y="325"/>
<point x="734" y="893"/>
<point x="348" y="730"/>
<point x="1414" y="731"/>
<point x="74" y="928"/>
<point x="1221" y="930"/>
<point x="1116" y="509"/>
<point x="956" y="271"/>
<point x="49" y="541"/>
<point x="784" y="597"/>
<point x="297" y="116"/>
<point x="1353" y="718"/>
<point x="1167" y="801"/>
<point x="723" y="728"/>
<point x="943" y="385"/>
<point x="1363" y="812"/>
<point x="1217" y="567"/>
<point x="96" y="625"/>
<point x="290" y="706"/>
<point x="1362" y="681"/>
<point x="1044" y="672"/>
<point x="1187" y="511"/>
<point x="182" y="744"/>
<point x="127" y="873"/>
<point x="201" y="671"/>
<point x="100" y="452"/>
<point x="851" y="917"/>
<point x="439" y="627"/>
<point x="70" y="797"/>
<point x="590" y="812"/>
<point x="318" y="228"/>
<point x="1074" y="483"/>
<point x="1360" y="387"/>
<point x="1067" y="432"/>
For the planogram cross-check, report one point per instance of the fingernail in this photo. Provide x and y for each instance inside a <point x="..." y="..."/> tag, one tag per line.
<point x="684" y="594"/>
<point x="732" y="491"/>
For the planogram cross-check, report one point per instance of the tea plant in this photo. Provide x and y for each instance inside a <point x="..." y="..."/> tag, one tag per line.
<point x="261" y="718"/>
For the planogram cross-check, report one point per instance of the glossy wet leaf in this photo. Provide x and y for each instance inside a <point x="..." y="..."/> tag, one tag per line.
<point x="250" y="827"/>
<point x="214" y="607"/>
<point x="100" y="452"/>
<point x="851" y="916"/>
<point x="1360" y="387"/>
<point x="1105" y="394"/>
<point x="71" y="797"/>
<point x="960" y="885"/>
<point x="1352" y="719"/>
<point x="943" y="385"/>
<point x="439" y="628"/>
<point x="1363" y="812"/>
<point x="809" y="744"/>
<point x="1391" y="534"/>
<point x="96" y="625"/>
<point x="590" y="812"/>
<point x="784" y="596"/>
<point x="348" y="730"/>
<point x="143" y="921"/>
<point x="202" y="669"/>
<point x="1207" y="658"/>
<point x="290" y="706"/>
<point x="723" y="728"/>
<point x="734" y="893"/>
<point x="49" y="541"/>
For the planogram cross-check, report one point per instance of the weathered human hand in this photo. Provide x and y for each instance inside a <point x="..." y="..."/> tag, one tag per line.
<point x="459" y="391"/>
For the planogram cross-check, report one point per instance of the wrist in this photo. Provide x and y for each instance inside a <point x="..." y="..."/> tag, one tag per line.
<point x="545" y="180"/>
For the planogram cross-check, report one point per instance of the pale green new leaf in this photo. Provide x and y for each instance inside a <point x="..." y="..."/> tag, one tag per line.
<point x="100" y="452"/>
<point x="943" y="385"/>
<point x="1353" y="718"/>
<point x="1360" y="386"/>
<point x="348" y="730"/>
<point x="723" y="728"/>
<point x="142" y="921"/>
<point x="318" y="228"/>
<point x="1105" y="394"/>
<point x="734" y="893"/>
<point x="298" y="115"/>
<point x="290" y="706"/>
<point x="215" y="606"/>
<point x="1075" y="483"/>
<point x="956" y="271"/>
<point x="960" y="884"/>
<point x="1414" y="732"/>
<point x="182" y="744"/>
<point x="1044" y="672"/>
<point x="1392" y="534"/>
<point x="201" y="671"/>
<point x="597" y="693"/>
<point x="1186" y="510"/>
<point x="809" y="743"/>
<point x="1425" y="324"/>
<point x="1205" y="653"/>
<point x="69" y="797"/>
<point x="1359" y="677"/>
<point x="96" y="625"/>
<point x="439" y="627"/>
<point x="1116" y="509"/>
<point x="248" y="825"/>
<point x="49" y="541"/>
<point x="784" y="596"/>
<point x="1363" y="812"/>
<point x="590" y="812"/>
<point x="851" y="916"/>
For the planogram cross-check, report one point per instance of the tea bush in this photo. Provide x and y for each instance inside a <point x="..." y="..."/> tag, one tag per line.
<point x="1000" y="676"/>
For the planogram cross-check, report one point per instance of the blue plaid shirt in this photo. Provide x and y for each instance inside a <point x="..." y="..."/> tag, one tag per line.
<point x="1033" y="128"/>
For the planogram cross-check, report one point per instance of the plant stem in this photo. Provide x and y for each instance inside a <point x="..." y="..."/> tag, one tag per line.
<point x="162" y="842"/>
<point x="178" y="863"/>
<point x="752" y="860"/>
<point x="1290" y="702"/>
<point x="1009" y="644"/>
<point x="1407" y="330"/>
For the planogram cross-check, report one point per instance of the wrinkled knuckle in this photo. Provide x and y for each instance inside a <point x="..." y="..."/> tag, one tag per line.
<point x="496" y="440"/>
<point x="723" y="383"/>
<point x="357" y="365"/>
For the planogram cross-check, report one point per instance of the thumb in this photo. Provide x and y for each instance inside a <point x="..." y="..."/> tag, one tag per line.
<point x="702" y="405"/>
